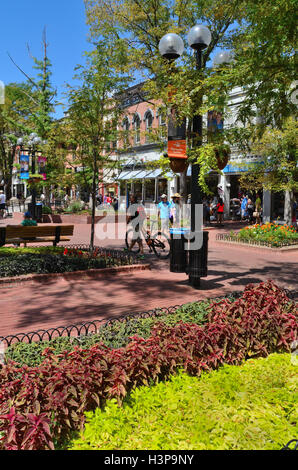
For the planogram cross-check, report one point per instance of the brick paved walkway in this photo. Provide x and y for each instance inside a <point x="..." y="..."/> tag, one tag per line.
<point x="29" y="307"/>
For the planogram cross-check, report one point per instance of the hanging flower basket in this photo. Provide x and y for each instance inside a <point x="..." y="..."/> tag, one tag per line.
<point x="222" y="156"/>
<point x="178" y="165"/>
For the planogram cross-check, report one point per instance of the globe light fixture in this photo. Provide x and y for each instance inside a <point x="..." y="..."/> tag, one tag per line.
<point x="171" y="46"/>
<point x="20" y="141"/>
<point x="199" y="37"/>
<point x="36" y="140"/>
<point x="221" y="58"/>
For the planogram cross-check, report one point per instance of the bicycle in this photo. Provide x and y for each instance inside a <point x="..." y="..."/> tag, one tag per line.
<point x="159" y="243"/>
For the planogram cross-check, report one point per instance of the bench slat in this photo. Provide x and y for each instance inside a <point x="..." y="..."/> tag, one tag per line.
<point x="12" y="241"/>
<point x="13" y="234"/>
<point x="48" y="230"/>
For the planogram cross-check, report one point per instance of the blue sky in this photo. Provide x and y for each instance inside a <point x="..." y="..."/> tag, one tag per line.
<point x="22" y="22"/>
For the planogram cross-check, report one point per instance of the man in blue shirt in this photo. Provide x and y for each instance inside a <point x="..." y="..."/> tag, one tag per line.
<point x="244" y="208"/>
<point x="164" y="212"/>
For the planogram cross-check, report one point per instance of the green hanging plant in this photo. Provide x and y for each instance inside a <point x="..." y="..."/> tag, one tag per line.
<point x="210" y="157"/>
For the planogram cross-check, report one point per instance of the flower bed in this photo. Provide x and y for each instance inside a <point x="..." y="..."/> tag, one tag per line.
<point x="114" y="334"/>
<point x="41" y="407"/>
<point x="247" y="407"/>
<point x="271" y="235"/>
<point x="45" y="260"/>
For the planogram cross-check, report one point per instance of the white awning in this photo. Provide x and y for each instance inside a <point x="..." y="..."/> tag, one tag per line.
<point x="129" y="175"/>
<point x="154" y="174"/>
<point x="139" y="174"/>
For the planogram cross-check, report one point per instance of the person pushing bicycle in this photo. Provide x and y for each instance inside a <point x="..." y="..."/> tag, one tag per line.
<point x="136" y="216"/>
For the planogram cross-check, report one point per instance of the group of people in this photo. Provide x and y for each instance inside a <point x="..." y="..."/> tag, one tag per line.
<point x="213" y="209"/>
<point x="168" y="213"/>
<point x="251" y="210"/>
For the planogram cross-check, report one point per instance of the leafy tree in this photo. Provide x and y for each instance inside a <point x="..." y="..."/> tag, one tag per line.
<point x="265" y="59"/>
<point x="39" y="103"/>
<point x="140" y="26"/>
<point x="262" y="36"/>
<point x="15" y="119"/>
<point x="278" y="170"/>
<point x="94" y="113"/>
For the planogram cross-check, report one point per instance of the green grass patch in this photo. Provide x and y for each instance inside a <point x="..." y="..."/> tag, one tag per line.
<point x="247" y="407"/>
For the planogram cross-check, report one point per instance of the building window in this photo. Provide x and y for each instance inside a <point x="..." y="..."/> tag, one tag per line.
<point x="125" y="127"/>
<point x="162" y="122"/>
<point x="137" y="129"/>
<point x="149" y="121"/>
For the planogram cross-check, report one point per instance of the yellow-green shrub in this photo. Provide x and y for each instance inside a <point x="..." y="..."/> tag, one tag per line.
<point x="252" y="406"/>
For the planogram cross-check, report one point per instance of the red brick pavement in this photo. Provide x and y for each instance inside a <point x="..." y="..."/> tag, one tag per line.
<point x="62" y="302"/>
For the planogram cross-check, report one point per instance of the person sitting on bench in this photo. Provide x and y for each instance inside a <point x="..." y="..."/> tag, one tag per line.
<point x="28" y="221"/>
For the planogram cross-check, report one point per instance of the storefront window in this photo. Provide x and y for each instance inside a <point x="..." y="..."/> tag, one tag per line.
<point x="150" y="190"/>
<point x="162" y="186"/>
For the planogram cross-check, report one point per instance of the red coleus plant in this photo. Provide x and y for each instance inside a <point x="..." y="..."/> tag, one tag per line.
<point x="29" y="432"/>
<point x="46" y="403"/>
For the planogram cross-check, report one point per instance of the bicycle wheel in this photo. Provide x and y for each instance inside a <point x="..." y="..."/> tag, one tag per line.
<point x="128" y="240"/>
<point x="161" y="245"/>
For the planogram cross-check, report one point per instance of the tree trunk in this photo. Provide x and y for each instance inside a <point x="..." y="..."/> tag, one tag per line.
<point x="47" y="196"/>
<point x="288" y="207"/>
<point x="95" y="175"/>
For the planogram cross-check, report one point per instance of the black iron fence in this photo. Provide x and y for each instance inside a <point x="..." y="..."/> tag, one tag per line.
<point x="93" y="327"/>
<point x="124" y="257"/>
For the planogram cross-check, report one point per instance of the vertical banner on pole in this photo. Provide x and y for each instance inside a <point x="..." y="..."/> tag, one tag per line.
<point x="24" y="162"/>
<point x="42" y="167"/>
<point x="214" y="123"/>
<point x="176" y="140"/>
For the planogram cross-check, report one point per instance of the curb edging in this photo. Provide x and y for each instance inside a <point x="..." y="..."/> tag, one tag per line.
<point x="90" y="273"/>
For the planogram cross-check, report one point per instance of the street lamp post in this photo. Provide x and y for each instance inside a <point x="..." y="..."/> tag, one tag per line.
<point x="171" y="47"/>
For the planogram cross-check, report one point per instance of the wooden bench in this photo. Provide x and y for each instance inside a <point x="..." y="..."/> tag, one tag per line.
<point x="17" y="234"/>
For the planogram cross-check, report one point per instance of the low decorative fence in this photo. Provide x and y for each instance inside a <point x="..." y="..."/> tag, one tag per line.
<point x="278" y="244"/>
<point x="124" y="257"/>
<point x="92" y="327"/>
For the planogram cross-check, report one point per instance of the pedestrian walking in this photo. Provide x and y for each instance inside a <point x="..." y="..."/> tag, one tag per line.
<point x="244" y="208"/>
<point x="250" y="210"/>
<point x="175" y="210"/>
<point x="164" y="212"/>
<point x="2" y="204"/>
<point x="115" y="204"/>
<point x="220" y="210"/>
<point x="258" y="209"/>
<point x="136" y="215"/>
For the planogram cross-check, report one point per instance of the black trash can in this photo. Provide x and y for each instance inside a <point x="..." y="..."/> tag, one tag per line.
<point x="197" y="265"/>
<point x="178" y="254"/>
<point x="38" y="211"/>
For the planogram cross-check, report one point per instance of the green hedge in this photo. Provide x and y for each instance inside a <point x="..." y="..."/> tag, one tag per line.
<point x="115" y="334"/>
<point x="247" y="407"/>
<point x="20" y="264"/>
<point x="45" y="260"/>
